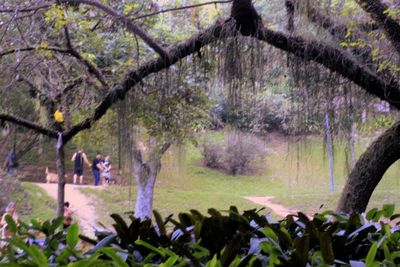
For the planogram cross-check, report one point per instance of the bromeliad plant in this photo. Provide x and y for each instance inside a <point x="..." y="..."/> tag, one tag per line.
<point x="249" y="239"/>
<point x="45" y="244"/>
<point x="217" y="239"/>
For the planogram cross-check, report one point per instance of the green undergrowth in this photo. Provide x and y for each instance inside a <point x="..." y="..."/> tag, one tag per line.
<point x="214" y="239"/>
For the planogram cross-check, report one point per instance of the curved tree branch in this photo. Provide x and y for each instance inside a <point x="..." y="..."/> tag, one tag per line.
<point x="29" y="125"/>
<point x="181" y="8"/>
<point x="335" y="60"/>
<point x="132" y="27"/>
<point x="332" y="58"/>
<point x="90" y="67"/>
<point x="70" y="51"/>
<point x="33" y="48"/>
<point x="178" y="52"/>
<point x="377" y="10"/>
<point x="26" y="9"/>
<point x="326" y="22"/>
<point x="369" y="170"/>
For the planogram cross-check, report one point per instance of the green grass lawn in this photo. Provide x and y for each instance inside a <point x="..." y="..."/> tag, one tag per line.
<point x="297" y="174"/>
<point x="34" y="203"/>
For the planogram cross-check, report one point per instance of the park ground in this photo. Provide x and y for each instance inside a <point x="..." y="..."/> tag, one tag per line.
<point x="295" y="177"/>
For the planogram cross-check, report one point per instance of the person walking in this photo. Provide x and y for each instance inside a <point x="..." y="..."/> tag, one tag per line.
<point x="97" y="167"/>
<point x="78" y="158"/>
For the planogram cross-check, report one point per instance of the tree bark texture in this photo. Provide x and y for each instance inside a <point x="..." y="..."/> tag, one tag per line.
<point x="378" y="12"/>
<point x="144" y="199"/>
<point x="369" y="170"/>
<point x="60" y="161"/>
<point x="146" y="174"/>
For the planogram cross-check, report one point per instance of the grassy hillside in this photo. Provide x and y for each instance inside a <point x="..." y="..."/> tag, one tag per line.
<point x="296" y="173"/>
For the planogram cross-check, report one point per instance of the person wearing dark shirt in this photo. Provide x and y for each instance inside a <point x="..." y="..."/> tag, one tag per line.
<point x="97" y="167"/>
<point x="78" y="158"/>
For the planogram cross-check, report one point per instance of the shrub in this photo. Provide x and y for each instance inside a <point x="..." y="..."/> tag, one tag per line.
<point x="216" y="239"/>
<point x="240" y="154"/>
<point x="212" y="154"/>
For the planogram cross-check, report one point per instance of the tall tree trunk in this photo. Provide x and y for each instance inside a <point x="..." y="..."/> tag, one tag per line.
<point x="146" y="174"/>
<point x="369" y="170"/>
<point x="60" y="161"/>
<point x="144" y="198"/>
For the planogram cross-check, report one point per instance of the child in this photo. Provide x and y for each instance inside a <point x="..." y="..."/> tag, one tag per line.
<point x="67" y="215"/>
<point x="107" y="171"/>
<point x="10" y="210"/>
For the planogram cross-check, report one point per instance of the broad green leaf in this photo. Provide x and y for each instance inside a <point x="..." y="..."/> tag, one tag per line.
<point x="214" y="213"/>
<point x="388" y="210"/>
<point x="65" y="253"/>
<point x="268" y="232"/>
<point x="150" y="247"/>
<point x="170" y="262"/>
<point x="231" y="250"/>
<point x="214" y="262"/>
<point x="371" y="214"/>
<point x="72" y="235"/>
<point x="11" y="225"/>
<point x="56" y="223"/>
<point x="302" y="246"/>
<point x="38" y="256"/>
<point x="160" y="222"/>
<point x="395" y="255"/>
<point x="369" y="260"/>
<point x="18" y="242"/>
<point x="111" y="252"/>
<point x="327" y="247"/>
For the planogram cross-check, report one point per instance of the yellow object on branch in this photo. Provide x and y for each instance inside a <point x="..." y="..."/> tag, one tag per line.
<point x="58" y="116"/>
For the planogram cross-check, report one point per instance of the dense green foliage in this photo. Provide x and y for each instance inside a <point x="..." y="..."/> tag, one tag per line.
<point x="218" y="239"/>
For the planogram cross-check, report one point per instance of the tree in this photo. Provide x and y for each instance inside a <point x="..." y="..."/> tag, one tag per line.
<point x="343" y="57"/>
<point x="170" y="112"/>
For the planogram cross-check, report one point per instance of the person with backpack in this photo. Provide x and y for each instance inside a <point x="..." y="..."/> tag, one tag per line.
<point x="79" y="158"/>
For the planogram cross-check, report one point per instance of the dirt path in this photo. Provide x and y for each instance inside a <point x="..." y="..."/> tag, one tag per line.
<point x="278" y="209"/>
<point x="81" y="205"/>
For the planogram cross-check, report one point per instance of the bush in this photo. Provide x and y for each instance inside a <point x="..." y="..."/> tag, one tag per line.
<point x="217" y="239"/>
<point x="242" y="153"/>
<point x="212" y="154"/>
<point x="239" y="155"/>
